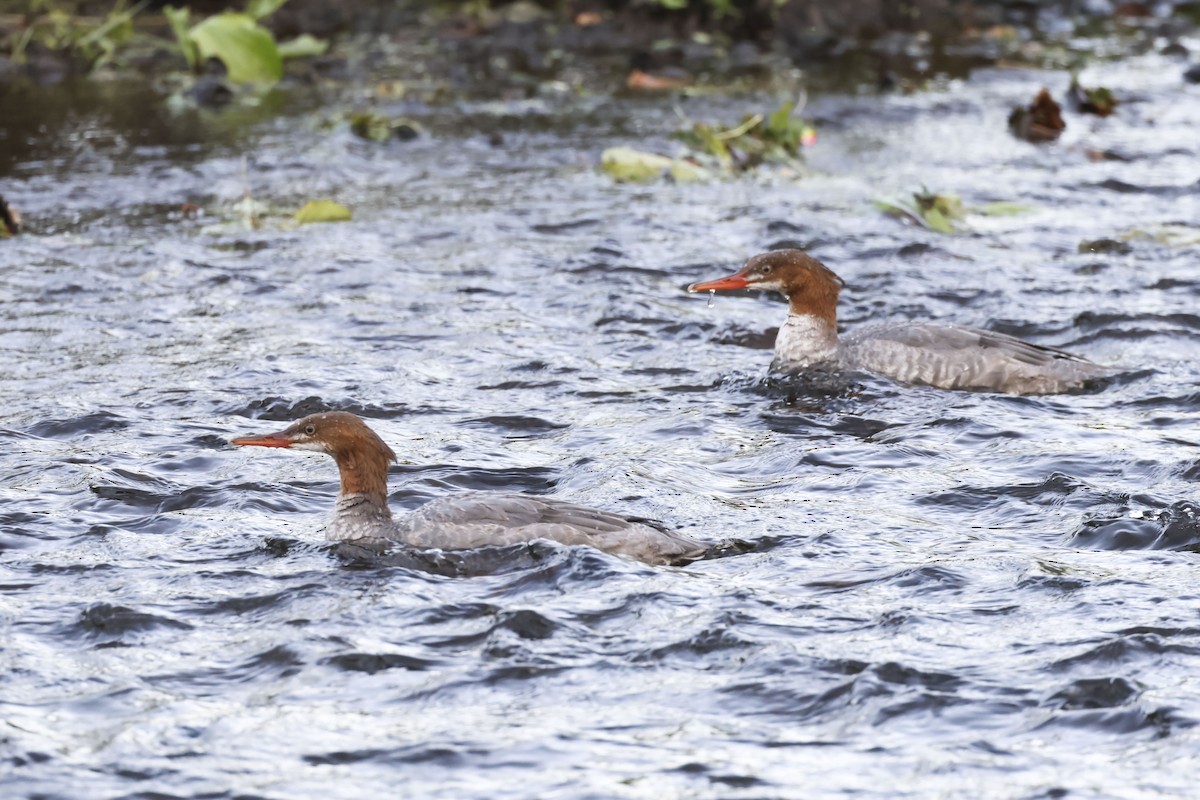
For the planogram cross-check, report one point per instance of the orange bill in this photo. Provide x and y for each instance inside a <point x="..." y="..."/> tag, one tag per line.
<point x="267" y="440"/>
<point x="735" y="281"/>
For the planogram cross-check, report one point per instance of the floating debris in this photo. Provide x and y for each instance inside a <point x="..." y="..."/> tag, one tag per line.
<point x="1099" y="101"/>
<point x="628" y="165"/>
<point x="776" y="137"/>
<point x="322" y="211"/>
<point x="945" y="213"/>
<point x="1106" y="247"/>
<point x="642" y="81"/>
<point x="10" y="220"/>
<point x="938" y="212"/>
<point x="1040" y="122"/>
<point x="1173" y="235"/>
<point x="380" y="128"/>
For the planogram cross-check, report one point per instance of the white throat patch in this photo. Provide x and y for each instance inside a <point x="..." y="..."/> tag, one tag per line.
<point x="804" y="341"/>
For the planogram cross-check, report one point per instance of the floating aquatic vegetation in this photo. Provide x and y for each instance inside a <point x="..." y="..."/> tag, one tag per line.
<point x="628" y="165"/>
<point x="938" y="212"/>
<point x="1105" y="247"/>
<point x="944" y="213"/>
<point x="1170" y="234"/>
<point x="642" y="81"/>
<point x="713" y="151"/>
<point x="1099" y="101"/>
<point x="58" y="30"/>
<point x="249" y="213"/>
<point x="1041" y="121"/>
<point x="776" y="137"/>
<point x="380" y="127"/>
<point x="10" y="220"/>
<point x="322" y="211"/>
<point x="303" y="46"/>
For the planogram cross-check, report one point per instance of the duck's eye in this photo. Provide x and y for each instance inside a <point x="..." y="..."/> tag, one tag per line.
<point x="766" y="269"/>
<point x="310" y="429"/>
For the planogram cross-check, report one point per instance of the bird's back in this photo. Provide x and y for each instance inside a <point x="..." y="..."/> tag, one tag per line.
<point x="960" y="357"/>
<point x="485" y="519"/>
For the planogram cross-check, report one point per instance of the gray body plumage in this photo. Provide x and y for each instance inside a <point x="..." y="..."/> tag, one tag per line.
<point x="929" y="354"/>
<point x="490" y="519"/>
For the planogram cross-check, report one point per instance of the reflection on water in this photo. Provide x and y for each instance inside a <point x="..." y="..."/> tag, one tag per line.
<point x="944" y="583"/>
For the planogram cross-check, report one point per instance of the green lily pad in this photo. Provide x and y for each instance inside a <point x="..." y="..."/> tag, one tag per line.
<point x="247" y="50"/>
<point x="322" y="211"/>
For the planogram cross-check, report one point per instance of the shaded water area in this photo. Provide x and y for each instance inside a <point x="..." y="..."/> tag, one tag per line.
<point x="955" y="594"/>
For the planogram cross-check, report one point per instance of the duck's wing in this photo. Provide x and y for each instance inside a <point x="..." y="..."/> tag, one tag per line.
<point x="486" y="519"/>
<point x="961" y="357"/>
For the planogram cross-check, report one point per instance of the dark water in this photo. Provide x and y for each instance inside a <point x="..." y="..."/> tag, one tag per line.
<point x="957" y="595"/>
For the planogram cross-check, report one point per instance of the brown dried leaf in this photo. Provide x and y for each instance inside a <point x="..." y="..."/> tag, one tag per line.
<point x="1041" y="121"/>
<point x="644" y="81"/>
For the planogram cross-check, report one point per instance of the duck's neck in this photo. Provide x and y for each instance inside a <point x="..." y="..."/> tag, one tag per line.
<point x="356" y="516"/>
<point x="362" y="508"/>
<point x="364" y="472"/>
<point x="805" y="340"/>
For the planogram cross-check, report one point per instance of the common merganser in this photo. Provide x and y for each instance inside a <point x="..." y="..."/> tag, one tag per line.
<point x="461" y="522"/>
<point x="926" y="353"/>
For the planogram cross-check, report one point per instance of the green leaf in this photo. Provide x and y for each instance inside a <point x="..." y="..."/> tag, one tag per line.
<point x="687" y="172"/>
<point x="370" y="125"/>
<point x="635" y="166"/>
<point x="322" y="211"/>
<point x="257" y="9"/>
<point x="781" y="119"/>
<point x="303" y="46"/>
<point x="937" y="221"/>
<point x="178" y="17"/>
<point x="1170" y="234"/>
<point x="247" y="50"/>
<point x="948" y="206"/>
<point x="627" y="164"/>
<point x="896" y="210"/>
<point x="924" y="213"/>
<point x="712" y="144"/>
<point x="1001" y="209"/>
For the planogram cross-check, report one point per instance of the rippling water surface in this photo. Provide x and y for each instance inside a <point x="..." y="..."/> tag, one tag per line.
<point x="954" y="594"/>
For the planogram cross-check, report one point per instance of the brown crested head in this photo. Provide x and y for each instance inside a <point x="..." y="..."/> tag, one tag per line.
<point x="362" y="457"/>
<point x="810" y="286"/>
